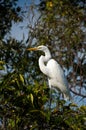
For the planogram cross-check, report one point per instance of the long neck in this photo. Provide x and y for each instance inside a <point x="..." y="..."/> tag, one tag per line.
<point x="42" y="61"/>
<point x="47" y="55"/>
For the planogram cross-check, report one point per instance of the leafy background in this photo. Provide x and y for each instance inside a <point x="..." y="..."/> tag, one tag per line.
<point x="25" y="96"/>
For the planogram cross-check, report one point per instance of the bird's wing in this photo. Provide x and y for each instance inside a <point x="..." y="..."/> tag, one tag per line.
<point x="57" y="78"/>
<point x="56" y="72"/>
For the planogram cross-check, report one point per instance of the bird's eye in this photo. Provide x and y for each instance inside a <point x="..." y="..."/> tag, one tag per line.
<point x="39" y="48"/>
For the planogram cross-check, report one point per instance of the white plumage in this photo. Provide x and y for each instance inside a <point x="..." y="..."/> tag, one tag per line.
<point x="53" y="71"/>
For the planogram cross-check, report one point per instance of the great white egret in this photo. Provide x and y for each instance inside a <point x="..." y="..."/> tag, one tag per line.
<point x="53" y="71"/>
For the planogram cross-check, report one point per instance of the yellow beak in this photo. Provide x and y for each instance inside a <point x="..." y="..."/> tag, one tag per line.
<point x="32" y="49"/>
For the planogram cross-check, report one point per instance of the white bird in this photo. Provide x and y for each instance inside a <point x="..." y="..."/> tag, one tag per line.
<point x="53" y="71"/>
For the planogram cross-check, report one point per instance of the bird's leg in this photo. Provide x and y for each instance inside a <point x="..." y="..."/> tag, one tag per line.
<point x="57" y="94"/>
<point x="50" y="95"/>
<point x="50" y="99"/>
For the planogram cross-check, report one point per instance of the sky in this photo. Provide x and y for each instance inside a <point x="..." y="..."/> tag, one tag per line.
<point x="19" y="30"/>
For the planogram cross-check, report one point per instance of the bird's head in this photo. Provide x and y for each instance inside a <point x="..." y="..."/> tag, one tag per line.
<point x="41" y="48"/>
<point x="44" y="49"/>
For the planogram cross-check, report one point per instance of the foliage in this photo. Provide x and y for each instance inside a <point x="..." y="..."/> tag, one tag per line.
<point x="24" y="106"/>
<point x="9" y="11"/>
<point x="24" y="94"/>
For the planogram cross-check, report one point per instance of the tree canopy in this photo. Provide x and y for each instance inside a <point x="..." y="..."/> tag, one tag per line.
<point x="25" y="96"/>
<point x="9" y="11"/>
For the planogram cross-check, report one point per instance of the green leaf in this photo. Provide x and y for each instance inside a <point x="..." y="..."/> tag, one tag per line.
<point x="21" y="78"/>
<point x="1" y="67"/>
<point x="2" y="62"/>
<point x="31" y="97"/>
